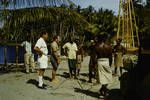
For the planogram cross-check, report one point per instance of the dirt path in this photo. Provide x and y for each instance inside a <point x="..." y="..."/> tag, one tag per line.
<point x="21" y="86"/>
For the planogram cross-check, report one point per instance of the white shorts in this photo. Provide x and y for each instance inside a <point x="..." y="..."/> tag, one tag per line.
<point x="43" y="62"/>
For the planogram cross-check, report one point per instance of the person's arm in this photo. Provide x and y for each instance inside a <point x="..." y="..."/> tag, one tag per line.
<point x="22" y="44"/>
<point x="114" y="49"/>
<point x="82" y="53"/>
<point x="94" y="53"/>
<point x="54" y="50"/>
<point x="110" y="56"/>
<point x="37" y="47"/>
<point x="124" y="50"/>
<point x="65" y="48"/>
<point x="76" y="48"/>
<point x="39" y="52"/>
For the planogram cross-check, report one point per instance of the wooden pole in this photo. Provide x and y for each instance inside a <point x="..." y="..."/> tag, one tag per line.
<point x="17" y="56"/>
<point x="118" y="31"/>
<point x="5" y="56"/>
<point x="135" y="25"/>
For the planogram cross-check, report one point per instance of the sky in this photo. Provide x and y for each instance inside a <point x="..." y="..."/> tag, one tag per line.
<point x="106" y="4"/>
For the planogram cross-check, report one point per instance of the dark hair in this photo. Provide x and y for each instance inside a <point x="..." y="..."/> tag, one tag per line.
<point x="28" y="37"/>
<point x="43" y="32"/>
<point x="71" y="40"/>
<point x="119" y="40"/>
<point x="55" y="37"/>
<point x="102" y="37"/>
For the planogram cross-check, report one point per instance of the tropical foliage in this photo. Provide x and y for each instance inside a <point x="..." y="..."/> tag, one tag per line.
<point x="63" y="18"/>
<point x="64" y="21"/>
<point x="56" y="20"/>
<point x="20" y="20"/>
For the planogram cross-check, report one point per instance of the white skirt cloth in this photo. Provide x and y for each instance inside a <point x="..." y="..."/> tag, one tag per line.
<point x="104" y="71"/>
<point x="42" y="62"/>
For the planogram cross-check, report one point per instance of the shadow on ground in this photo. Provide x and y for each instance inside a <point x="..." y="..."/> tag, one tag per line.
<point x="84" y="74"/>
<point x="87" y="92"/>
<point x="47" y="78"/>
<point x="33" y="82"/>
<point x="114" y="94"/>
<point x="64" y="75"/>
<point x="82" y="80"/>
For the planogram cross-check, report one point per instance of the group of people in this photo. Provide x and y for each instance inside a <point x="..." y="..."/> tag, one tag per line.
<point x="100" y="59"/>
<point x="73" y="52"/>
<point x="42" y="61"/>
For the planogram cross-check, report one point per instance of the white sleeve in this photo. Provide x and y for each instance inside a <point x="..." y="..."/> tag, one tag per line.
<point x="65" y="46"/>
<point x="38" y="44"/>
<point x="23" y="43"/>
<point x="76" y="48"/>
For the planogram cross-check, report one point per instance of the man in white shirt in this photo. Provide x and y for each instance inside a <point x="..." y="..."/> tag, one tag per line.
<point x="42" y="51"/>
<point x="71" y="49"/>
<point x="28" y="56"/>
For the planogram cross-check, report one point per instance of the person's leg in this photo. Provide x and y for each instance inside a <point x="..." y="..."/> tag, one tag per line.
<point x="55" y="65"/>
<point x="90" y="74"/>
<point x="115" y="65"/>
<point x="32" y="63"/>
<point x="90" y="70"/>
<point x="78" y="69"/>
<point x="78" y="72"/>
<point x="115" y="72"/>
<point x="104" y="90"/>
<point x="41" y="74"/>
<point x="96" y="73"/>
<point x="26" y="62"/>
<point x="78" y="64"/>
<point x="121" y="71"/>
<point x="54" y="73"/>
<point x="70" y="68"/>
<point x="74" y="68"/>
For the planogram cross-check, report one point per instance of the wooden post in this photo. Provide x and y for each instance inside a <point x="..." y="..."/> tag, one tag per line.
<point x="5" y="58"/>
<point x="16" y="56"/>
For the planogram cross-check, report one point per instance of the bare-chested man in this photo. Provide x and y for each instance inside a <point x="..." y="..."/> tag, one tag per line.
<point x="103" y="54"/>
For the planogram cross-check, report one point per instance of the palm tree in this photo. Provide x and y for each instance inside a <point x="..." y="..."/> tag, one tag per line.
<point x="101" y="21"/>
<point x="34" y="15"/>
<point x="17" y="4"/>
<point x="55" y="20"/>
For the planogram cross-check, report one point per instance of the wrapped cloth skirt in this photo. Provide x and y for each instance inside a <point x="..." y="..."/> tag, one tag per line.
<point x="104" y="71"/>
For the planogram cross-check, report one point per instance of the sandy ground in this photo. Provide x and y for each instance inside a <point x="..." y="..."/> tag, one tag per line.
<point x="22" y="86"/>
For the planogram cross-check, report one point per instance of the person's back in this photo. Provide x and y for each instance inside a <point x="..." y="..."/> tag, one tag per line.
<point x="103" y="54"/>
<point x="103" y="50"/>
<point x="27" y="46"/>
<point x="119" y="48"/>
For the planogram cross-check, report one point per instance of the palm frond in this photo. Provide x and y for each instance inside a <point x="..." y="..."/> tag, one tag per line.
<point x="50" y="18"/>
<point x="19" y="4"/>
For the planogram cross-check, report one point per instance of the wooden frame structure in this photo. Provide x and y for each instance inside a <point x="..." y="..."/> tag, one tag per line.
<point x="127" y="27"/>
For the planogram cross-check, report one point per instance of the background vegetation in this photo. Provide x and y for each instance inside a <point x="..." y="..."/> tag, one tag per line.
<point x="63" y="18"/>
